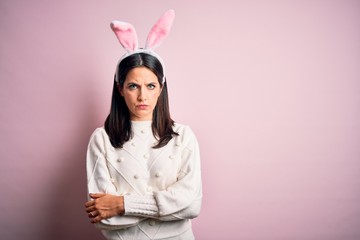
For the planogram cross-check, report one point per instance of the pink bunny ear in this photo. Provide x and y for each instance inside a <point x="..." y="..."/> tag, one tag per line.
<point x="160" y="30"/>
<point x="126" y="34"/>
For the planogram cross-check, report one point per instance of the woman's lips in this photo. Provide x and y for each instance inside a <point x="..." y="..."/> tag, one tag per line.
<point x="142" y="106"/>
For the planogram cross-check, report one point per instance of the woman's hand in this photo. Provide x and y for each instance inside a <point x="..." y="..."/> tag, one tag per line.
<point x="104" y="206"/>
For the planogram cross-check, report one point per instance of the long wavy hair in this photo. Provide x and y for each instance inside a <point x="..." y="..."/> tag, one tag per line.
<point x="118" y="123"/>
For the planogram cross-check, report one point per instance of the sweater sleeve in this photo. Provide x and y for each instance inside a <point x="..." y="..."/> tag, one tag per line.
<point x="181" y="200"/>
<point x="100" y="181"/>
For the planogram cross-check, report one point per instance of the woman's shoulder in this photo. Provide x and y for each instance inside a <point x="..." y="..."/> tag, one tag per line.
<point x="179" y="127"/>
<point x="99" y="139"/>
<point x="185" y="132"/>
<point x="98" y="134"/>
<point x="98" y="131"/>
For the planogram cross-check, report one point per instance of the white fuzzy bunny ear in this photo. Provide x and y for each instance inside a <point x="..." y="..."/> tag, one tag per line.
<point x="160" y="30"/>
<point x="126" y="34"/>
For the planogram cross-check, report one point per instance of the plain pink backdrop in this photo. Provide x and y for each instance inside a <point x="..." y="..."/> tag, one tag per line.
<point x="271" y="89"/>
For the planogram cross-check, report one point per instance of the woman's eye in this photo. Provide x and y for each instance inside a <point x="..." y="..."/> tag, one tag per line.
<point x="151" y="86"/>
<point x="132" y="86"/>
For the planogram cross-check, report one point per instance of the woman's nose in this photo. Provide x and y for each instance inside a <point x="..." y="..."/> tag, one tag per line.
<point x="142" y="95"/>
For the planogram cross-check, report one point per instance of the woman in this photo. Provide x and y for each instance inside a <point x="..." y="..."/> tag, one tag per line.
<point x="144" y="176"/>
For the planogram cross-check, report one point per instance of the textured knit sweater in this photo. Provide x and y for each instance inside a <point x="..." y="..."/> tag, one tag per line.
<point x="161" y="187"/>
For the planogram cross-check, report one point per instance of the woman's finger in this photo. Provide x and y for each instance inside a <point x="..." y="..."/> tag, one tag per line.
<point x="90" y="209"/>
<point x="93" y="214"/>
<point x="96" y="219"/>
<point x="96" y="195"/>
<point x="89" y="203"/>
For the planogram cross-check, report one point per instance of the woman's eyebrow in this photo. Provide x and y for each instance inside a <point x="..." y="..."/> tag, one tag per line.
<point x="133" y="83"/>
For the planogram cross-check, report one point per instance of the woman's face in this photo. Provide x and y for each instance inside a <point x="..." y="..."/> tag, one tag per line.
<point x="141" y="91"/>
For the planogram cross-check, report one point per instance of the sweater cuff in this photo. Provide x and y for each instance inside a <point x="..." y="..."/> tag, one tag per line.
<point x="141" y="206"/>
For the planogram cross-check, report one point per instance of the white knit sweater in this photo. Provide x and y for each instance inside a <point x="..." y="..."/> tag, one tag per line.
<point x="161" y="187"/>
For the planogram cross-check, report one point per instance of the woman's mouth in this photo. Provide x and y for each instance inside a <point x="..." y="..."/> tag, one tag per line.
<point x="142" y="106"/>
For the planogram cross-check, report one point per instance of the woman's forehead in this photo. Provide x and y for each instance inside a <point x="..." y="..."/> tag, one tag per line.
<point x="141" y="74"/>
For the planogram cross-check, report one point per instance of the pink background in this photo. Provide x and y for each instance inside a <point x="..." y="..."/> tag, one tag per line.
<point x="271" y="89"/>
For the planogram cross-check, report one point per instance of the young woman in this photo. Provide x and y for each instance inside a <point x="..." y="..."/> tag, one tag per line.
<point x="144" y="175"/>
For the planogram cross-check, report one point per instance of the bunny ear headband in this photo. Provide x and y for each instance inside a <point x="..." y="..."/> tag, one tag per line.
<point x="126" y="34"/>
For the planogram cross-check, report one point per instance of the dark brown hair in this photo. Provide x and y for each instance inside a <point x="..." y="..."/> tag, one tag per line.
<point x="118" y="123"/>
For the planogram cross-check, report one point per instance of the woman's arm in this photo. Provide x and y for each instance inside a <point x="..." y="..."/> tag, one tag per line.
<point x="105" y="202"/>
<point x="181" y="200"/>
